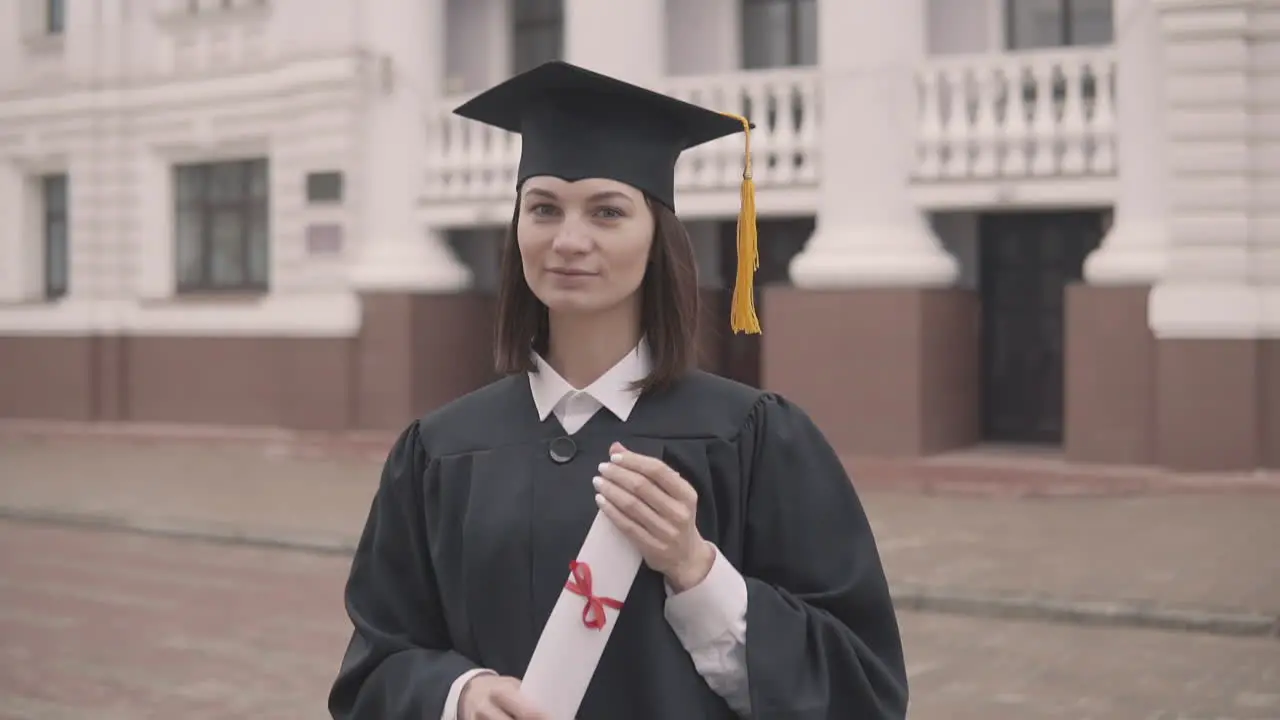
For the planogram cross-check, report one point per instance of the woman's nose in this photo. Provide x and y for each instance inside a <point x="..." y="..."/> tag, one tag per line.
<point x="572" y="238"/>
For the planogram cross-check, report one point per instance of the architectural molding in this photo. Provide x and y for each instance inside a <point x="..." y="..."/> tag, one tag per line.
<point x="177" y="14"/>
<point x="269" y="78"/>
<point x="335" y="314"/>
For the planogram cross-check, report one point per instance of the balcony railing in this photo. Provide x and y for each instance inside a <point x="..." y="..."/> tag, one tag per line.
<point x="981" y="118"/>
<point x="1017" y="115"/>
<point x="783" y="104"/>
<point x="470" y="161"/>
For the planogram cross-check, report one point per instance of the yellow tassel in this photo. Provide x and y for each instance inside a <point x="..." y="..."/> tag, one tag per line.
<point x="742" y="317"/>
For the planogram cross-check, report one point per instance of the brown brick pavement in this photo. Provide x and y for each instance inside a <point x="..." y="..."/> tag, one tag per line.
<point x="983" y="472"/>
<point x="1208" y="551"/>
<point x="130" y="627"/>
<point x="118" y="626"/>
<point x="1199" y="551"/>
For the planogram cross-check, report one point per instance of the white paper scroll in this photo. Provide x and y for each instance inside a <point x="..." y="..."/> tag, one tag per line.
<point x="568" y="651"/>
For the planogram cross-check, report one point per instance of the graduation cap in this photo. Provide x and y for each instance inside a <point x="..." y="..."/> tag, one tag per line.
<point x="578" y="124"/>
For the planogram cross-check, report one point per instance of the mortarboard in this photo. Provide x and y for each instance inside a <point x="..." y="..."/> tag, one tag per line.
<point x="576" y="124"/>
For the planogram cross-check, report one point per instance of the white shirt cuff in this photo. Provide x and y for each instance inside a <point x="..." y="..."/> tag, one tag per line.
<point x="455" y="692"/>
<point x="713" y="608"/>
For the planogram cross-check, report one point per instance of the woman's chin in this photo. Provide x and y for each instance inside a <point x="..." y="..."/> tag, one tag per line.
<point x="571" y="301"/>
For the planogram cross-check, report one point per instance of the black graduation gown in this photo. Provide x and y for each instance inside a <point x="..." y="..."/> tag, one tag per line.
<point x="469" y="539"/>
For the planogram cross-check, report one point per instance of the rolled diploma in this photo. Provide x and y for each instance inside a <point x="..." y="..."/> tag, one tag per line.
<point x="568" y="651"/>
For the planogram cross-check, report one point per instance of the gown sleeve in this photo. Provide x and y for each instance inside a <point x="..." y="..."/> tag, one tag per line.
<point x="822" y="637"/>
<point x="399" y="663"/>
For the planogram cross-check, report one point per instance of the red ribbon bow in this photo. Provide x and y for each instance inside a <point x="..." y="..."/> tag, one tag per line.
<point x="580" y="584"/>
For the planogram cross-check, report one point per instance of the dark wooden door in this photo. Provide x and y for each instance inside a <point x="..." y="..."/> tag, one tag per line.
<point x="1027" y="261"/>
<point x="780" y="240"/>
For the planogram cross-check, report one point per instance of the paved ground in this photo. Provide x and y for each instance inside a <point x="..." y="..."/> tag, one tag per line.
<point x="1208" y="551"/>
<point x="109" y="624"/>
<point x="1180" y="549"/>
<point x="115" y="626"/>
<point x="119" y="626"/>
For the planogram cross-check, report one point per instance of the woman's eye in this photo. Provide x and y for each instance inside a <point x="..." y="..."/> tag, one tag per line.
<point x="543" y="209"/>
<point x="610" y="213"/>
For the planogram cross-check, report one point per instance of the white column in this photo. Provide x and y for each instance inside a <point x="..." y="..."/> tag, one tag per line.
<point x="627" y="40"/>
<point x="1134" y="252"/>
<point x="1210" y="287"/>
<point x="478" y="46"/>
<point x="704" y="37"/>
<point x="869" y="231"/>
<point x="406" y="38"/>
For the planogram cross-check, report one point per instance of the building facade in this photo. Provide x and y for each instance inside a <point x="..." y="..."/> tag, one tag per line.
<point x="1044" y="222"/>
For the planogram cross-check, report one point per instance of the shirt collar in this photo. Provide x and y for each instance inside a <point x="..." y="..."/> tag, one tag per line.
<point x="612" y="390"/>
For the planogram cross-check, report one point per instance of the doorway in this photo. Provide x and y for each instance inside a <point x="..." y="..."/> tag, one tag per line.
<point x="1026" y="261"/>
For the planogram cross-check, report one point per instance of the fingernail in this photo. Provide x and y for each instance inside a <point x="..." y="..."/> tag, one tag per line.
<point x="603" y="466"/>
<point x="597" y="481"/>
<point x="616" y="457"/>
<point x="600" y="500"/>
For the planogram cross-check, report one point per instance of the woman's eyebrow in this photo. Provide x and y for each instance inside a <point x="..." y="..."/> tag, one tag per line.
<point x="541" y="193"/>
<point x="609" y="195"/>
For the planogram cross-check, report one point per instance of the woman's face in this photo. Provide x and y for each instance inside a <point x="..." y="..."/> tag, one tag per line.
<point x="585" y="244"/>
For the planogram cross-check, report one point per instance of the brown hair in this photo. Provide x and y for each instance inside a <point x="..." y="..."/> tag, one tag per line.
<point x="668" y="304"/>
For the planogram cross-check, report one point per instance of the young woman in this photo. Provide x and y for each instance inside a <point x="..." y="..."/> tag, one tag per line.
<point x="761" y="594"/>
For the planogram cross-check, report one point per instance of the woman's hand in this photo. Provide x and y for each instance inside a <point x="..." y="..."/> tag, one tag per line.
<point x="490" y="697"/>
<point x="655" y="508"/>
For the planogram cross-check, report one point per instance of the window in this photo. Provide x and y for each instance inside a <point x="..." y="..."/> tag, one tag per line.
<point x="537" y="34"/>
<point x="779" y="33"/>
<point x="324" y="187"/>
<point x="221" y="226"/>
<point x="54" y="229"/>
<point x="1031" y="24"/>
<point x="54" y="16"/>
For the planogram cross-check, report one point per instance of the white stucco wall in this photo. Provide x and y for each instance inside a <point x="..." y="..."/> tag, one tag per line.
<point x="134" y="86"/>
<point x="147" y="86"/>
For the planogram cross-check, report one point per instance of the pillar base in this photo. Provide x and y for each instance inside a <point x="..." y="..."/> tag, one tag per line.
<point x="419" y="351"/>
<point x="875" y="257"/>
<point x="1110" y="386"/>
<point x="1219" y="405"/>
<point x="883" y="371"/>
<point x="1132" y="254"/>
<point x="422" y="265"/>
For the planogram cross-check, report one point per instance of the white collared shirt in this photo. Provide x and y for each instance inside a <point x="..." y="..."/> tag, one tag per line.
<point x="710" y="619"/>
<point x="611" y="391"/>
